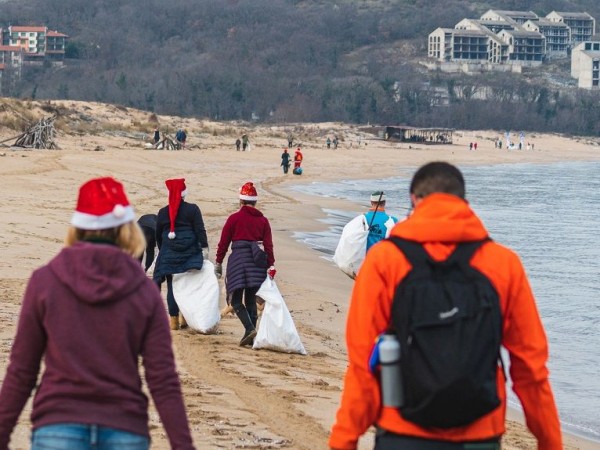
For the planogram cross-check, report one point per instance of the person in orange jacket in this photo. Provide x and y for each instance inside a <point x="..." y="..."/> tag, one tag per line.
<point x="441" y="219"/>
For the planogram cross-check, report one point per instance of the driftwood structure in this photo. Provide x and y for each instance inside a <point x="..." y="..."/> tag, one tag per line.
<point x="167" y="143"/>
<point x="39" y="135"/>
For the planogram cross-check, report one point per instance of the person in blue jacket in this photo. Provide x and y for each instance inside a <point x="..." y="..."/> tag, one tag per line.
<point x="376" y="218"/>
<point x="182" y="243"/>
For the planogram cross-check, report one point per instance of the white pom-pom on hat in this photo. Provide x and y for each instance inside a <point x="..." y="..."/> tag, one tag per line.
<point x="118" y="210"/>
<point x="171" y="235"/>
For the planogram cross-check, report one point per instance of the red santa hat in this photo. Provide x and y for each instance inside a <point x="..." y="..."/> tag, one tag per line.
<point x="248" y="192"/>
<point x="177" y="191"/>
<point x="102" y="204"/>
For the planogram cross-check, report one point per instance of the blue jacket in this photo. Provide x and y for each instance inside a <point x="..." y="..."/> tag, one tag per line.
<point x="377" y="229"/>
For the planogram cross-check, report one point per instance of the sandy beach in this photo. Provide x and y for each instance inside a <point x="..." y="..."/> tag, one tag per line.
<point x="235" y="397"/>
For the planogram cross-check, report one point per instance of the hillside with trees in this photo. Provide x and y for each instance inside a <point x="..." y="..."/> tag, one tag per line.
<point x="292" y="61"/>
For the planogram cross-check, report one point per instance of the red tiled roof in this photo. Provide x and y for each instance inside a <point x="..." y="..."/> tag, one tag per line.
<point x="51" y="33"/>
<point x="26" y="28"/>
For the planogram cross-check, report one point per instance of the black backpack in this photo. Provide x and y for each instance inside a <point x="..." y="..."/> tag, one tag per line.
<point x="448" y="321"/>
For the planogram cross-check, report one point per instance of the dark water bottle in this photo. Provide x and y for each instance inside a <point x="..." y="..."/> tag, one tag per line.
<point x="391" y="376"/>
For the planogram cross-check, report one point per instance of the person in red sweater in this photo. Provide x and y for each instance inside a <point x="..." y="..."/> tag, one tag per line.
<point x="441" y="219"/>
<point x="248" y="265"/>
<point x="91" y="314"/>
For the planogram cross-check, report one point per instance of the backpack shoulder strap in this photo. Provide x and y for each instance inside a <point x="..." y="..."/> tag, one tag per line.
<point x="464" y="251"/>
<point x="414" y="251"/>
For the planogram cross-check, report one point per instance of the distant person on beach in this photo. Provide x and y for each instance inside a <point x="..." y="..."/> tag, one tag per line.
<point x="147" y="223"/>
<point x="156" y="135"/>
<point x="238" y="144"/>
<point x="442" y="221"/>
<point x="245" y="142"/>
<point x="93" y="317"/>
<point x="285" y="160"/>
<point x="182" y="243"/>
<point x="377" y="219"/>
<point x="249" y="264"/>
<point x="335" y="142"/>
<point x="298" y="157"/>
<point x="328" y="142"/>
<point x="181" y="137"/>
<point x="290" y="140"/>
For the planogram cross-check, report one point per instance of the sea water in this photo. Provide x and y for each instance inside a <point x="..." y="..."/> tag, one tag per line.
<point x="550" y="215"/>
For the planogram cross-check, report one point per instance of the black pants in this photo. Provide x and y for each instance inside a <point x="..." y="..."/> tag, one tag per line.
<point x="171" y="303"/>
<point x="385" y="440"/>
<point x="247" y="308"/>
<point x="286" y="166"/>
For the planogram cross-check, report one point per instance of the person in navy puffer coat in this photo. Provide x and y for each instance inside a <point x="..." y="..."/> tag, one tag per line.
<point x="182" y="243"/>
<point x="248" y="231"/>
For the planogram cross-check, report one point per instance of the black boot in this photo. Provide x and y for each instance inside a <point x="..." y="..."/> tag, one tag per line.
<point x="250" y="333"/>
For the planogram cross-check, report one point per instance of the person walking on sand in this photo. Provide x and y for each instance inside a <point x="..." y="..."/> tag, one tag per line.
<point x="285" y="160"/>
<point x="156" y="135"/>
<point x="148" y="225"/>
<point x="290" y="139"/>
<point x="92" y="315"/>
<point x="182" y="243"/>
<point x="328" y="142"/>
<point x="443" y="236"/>
<point x="181" y="138"/>
<point x="298" y="157"/>
<point x="248" y="265"/>
<point x="245" y="142"/>
<point x="377" y="219"/>
<point x="238" y="144"/>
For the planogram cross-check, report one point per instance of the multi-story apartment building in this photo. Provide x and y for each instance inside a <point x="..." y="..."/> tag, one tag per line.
<point x="585" y="64"/>
<point x="510" y="37"/>
<point x="582" y="25"/>
<point x="557" y="34"/>
<point x="23" y="45"/>
<point x="524" y="45"/>
<point x="39" y="44"/>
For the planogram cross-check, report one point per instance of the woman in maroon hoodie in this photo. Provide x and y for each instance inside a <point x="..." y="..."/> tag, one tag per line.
<point x="91" y="313"/>
<point x="248" y="264"/>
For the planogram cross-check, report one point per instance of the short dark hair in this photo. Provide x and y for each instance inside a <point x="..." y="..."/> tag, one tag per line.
<point x="438" y="176"/>
<point x="248" y="202"/>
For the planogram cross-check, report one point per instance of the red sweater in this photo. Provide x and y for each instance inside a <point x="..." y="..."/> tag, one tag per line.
<point x="248" y="224"/>
<point x="91" y="313"/>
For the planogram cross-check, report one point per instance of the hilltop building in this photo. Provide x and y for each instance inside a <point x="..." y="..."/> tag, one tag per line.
<point x="582" y="25"/>
<point x="29" y="45"/>
<point x="39" y="44"/>
<point x="508" y="38"/>
<point x="585" y="64"/>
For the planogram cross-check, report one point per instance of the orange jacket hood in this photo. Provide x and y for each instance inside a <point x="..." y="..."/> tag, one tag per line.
<point x="441" y="218"/>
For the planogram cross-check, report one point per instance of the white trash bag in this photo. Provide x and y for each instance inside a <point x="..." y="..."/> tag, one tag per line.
<point x="389" y="224"/>
<point x="276" y="329"/>
<point x="352" y="247"/>
<point x="197" y="295"/>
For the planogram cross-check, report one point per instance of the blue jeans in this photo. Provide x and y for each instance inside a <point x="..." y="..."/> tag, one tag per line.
<point x="386" y="440"/>
<point x="74" y="436"/>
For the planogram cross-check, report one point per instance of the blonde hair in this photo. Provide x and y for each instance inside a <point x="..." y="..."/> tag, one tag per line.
<point x="129" y="237"/>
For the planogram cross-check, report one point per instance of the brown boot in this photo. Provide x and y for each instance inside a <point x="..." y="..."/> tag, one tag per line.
<point x="182" y="323"/>
<point x="174" y="322"/>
